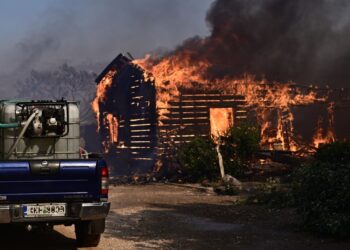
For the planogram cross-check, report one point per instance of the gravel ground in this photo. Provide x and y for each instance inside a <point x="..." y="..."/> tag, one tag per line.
<point x="161" y="216"/>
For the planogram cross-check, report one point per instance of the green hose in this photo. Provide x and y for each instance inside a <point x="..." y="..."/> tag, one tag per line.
<point x="9" y="125"/>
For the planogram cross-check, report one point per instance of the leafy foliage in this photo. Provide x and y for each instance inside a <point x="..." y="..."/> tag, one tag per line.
<point x="238" y="147"/>
<point x="322" y="190"/>
<point x="198" y="159"/>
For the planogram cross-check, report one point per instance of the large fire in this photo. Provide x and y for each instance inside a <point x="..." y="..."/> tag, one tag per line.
<point x="178" y="70"/>
<point x="171" y="73"/>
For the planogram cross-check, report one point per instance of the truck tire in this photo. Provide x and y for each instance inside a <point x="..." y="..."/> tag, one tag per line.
<point x="84" y="236"/>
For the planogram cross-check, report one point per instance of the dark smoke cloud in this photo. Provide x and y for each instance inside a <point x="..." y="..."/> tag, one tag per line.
<point x="282" y="40"/>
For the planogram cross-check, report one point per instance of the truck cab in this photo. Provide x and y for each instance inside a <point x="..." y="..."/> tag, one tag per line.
<point x="44" y="180"/>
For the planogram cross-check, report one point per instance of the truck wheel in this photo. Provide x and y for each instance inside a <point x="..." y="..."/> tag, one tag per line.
<point x="84" y="236"/>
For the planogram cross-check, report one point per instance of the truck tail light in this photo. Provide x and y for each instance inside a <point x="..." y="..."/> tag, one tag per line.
<point x="104" y="180"/>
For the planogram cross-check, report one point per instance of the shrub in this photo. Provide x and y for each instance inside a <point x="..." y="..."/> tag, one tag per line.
<point x="322" y="190"/>
<point x="238" y="147"/>
<point x="198" y="159"/>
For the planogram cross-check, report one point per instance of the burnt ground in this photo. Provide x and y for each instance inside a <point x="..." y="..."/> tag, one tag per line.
<point x="161" y="216"/>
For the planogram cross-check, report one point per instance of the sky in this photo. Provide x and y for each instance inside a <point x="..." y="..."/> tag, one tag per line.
<point x="88" y="34"/>
<point x="40" y="34"/>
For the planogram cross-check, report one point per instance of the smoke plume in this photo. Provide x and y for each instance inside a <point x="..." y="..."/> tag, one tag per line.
<point x="301" y="41"/>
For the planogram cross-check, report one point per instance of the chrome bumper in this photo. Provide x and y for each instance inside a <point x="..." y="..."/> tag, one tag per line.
<point x="75" y="212"/>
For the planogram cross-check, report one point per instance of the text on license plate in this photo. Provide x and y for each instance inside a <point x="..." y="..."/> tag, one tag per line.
<point x="43" y="210"/>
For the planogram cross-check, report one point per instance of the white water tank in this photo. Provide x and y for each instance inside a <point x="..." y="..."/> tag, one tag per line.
<point x="53" y="134"/>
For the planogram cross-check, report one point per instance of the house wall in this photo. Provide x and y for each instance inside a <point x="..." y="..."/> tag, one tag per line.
<point x="188" y="116"/>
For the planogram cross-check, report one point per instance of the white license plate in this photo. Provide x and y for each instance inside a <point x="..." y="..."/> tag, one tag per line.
<point x="44" y="210"/>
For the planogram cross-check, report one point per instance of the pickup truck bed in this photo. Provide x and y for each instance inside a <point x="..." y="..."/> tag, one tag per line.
<point x="55" y="192"/>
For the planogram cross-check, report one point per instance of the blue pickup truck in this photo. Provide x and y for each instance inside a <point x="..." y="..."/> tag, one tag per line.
<point x="44" y="178"/>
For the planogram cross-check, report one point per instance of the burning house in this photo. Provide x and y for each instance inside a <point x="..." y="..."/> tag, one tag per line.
<point x="256" y="63"/>
<point x="136" y="133"/>
<point x="240" y="71"/>
<point x="126" y="110"/>
<point x="141" y="120"/>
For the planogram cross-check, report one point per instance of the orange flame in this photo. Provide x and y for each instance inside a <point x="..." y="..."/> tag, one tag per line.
<point x="177" y="70"/>
<point x="221" y="119"/>
<point x="322" y="137"/>
<point x="169" y="74"/>
<point x="113" y="128"/>
<point x="101" y="89"/>
<point x="111" y="123"/>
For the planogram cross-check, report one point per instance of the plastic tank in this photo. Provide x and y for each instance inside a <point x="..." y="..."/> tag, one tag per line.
<point x="39" y="146"/>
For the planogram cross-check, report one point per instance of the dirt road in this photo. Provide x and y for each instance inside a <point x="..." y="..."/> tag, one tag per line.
<point x="163" y="216"/>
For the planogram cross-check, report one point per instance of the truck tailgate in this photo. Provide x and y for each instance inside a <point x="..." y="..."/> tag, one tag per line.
<point x="42" y="181"/>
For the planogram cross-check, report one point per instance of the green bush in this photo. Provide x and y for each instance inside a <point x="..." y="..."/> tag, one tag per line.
<point x="198" y="159"/>
<point x="238" y="147"/>
<point x="322" y="190"/>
